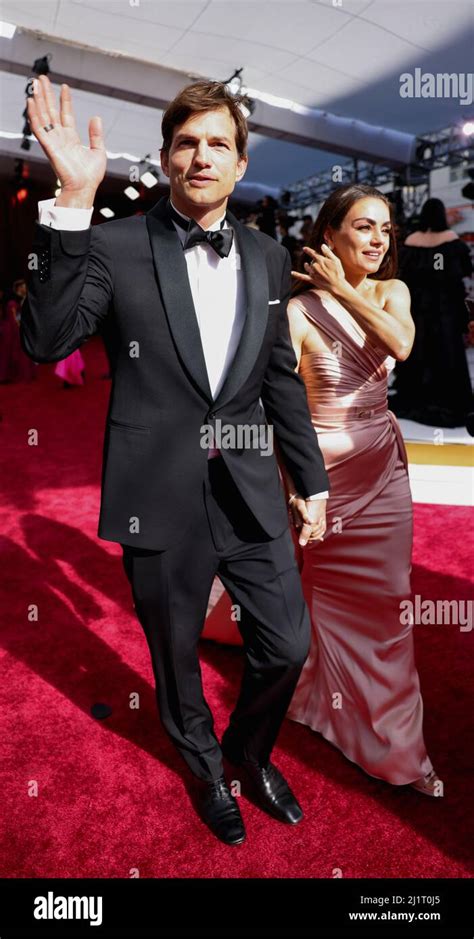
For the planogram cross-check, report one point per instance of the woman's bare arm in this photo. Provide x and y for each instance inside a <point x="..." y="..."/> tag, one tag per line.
<point x="298" y="329"/>
<point x="387" y="322"/>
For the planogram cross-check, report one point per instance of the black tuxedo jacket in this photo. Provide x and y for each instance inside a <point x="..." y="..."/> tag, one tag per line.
<point x="128" y="279"/>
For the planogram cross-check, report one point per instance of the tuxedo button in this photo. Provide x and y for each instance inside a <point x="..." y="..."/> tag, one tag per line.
<point x="212" y="415"/>
<point x="43" y="269"/>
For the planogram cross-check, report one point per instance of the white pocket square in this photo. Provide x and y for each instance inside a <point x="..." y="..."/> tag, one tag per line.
<point x="273" y="301"/>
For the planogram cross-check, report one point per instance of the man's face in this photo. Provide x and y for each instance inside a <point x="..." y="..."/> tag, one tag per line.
<point x="203" y="164"/>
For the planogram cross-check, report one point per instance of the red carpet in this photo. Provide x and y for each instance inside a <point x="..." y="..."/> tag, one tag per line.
<point x="111" y="794"/>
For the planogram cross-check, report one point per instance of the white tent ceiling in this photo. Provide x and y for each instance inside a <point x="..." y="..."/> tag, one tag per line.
<point x="315" y="53"/>
<point x="308" y="51"/>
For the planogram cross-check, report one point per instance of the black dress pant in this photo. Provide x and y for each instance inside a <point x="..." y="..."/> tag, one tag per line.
<point x="171" y="591"/>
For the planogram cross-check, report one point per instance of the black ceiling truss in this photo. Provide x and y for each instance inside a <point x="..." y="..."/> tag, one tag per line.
<point x="447" y="147"/>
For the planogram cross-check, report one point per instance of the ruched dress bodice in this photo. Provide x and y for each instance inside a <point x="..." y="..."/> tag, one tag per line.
<point x="346" y="388"/>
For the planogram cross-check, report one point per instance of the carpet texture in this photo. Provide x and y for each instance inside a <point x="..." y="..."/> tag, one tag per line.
<point x="107" y="798"/>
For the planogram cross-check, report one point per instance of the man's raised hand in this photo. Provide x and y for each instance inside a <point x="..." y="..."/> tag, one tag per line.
<point x="79" y="169"/>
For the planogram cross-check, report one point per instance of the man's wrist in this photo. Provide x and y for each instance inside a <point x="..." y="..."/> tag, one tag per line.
<point x="79" y="199"/>
<point x="314" y="498"/>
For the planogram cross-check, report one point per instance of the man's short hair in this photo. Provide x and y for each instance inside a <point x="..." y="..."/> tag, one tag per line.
<point x="204" y="96"/>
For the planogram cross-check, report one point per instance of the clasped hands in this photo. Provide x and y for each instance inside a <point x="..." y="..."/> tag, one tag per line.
<point x="310" y="516"/>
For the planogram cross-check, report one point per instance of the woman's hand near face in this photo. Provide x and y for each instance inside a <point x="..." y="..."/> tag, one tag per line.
<point x="324" y="270"/>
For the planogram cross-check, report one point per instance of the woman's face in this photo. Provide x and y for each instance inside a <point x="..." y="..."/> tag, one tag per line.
<point x="362" y="241"/>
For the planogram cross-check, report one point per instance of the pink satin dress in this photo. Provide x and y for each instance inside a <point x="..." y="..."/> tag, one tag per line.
<point x="359" y="687"/>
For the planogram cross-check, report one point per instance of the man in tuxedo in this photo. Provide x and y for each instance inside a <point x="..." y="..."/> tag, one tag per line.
<point x="194" y="304"/>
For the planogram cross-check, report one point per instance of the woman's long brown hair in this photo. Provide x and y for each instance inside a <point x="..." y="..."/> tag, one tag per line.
<point x="333" y="213"/>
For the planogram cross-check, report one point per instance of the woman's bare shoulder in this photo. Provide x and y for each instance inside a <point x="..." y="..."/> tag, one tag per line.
<point x="296" y="314"/>
<point x="392" y="287"/>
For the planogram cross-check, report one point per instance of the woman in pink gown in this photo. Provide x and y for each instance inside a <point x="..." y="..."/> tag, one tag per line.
<point x="359" y="687"/>
<point x="349" y="323"/>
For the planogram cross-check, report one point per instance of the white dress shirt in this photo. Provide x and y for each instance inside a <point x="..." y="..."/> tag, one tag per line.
<point x="217" y="288"/>
<point x="218" y="291"/>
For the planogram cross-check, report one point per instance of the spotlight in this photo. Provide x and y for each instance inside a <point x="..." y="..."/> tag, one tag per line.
<point x="234" y="83"/>
<point x="41" y="66"/>
<point x="7" y="30"/>
<point x="468" y="128"/>
<point x="424" y="151"/>
<point x="247" y="107"/>
<point x="132" y="193"/>
<point x="106" y="212"/>
<point x="149" y="179"/>
<point x="20" y="178"/>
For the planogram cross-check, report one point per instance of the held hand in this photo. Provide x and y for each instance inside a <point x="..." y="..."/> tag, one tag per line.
<point x="79" y="169"/>
<point x="310" y="517"/>
<point x="323" y="270"/>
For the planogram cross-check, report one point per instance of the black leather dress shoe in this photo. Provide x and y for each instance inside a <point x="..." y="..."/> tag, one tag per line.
<point x="270" y="789"/>
<point x="220" y="811"/>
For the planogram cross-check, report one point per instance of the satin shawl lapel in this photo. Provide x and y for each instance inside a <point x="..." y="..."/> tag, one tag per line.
<point x="173" y="281"/>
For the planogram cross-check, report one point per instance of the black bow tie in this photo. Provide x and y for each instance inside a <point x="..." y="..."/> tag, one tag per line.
<point x="220" y="240"/>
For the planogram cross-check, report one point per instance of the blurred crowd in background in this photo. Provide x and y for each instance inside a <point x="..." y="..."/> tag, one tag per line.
<point x="433" y="386"/>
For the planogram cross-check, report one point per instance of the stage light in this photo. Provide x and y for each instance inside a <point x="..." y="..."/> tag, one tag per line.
<point x="41" y="66"/>
<point x="424" y="151"/>
<point x="21" y="194"/>
<point x="131" y="192"/>
<point x="247" y="106"/>
<point x="7" y="30"/>
<point x="149" y="179"/>
<point x="234" y="83"/>
<point x="468" y="128"/>
<point x="106" y="212"/>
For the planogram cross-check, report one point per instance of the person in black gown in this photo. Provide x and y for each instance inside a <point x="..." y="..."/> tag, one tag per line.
<point x="433" y="385"/>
